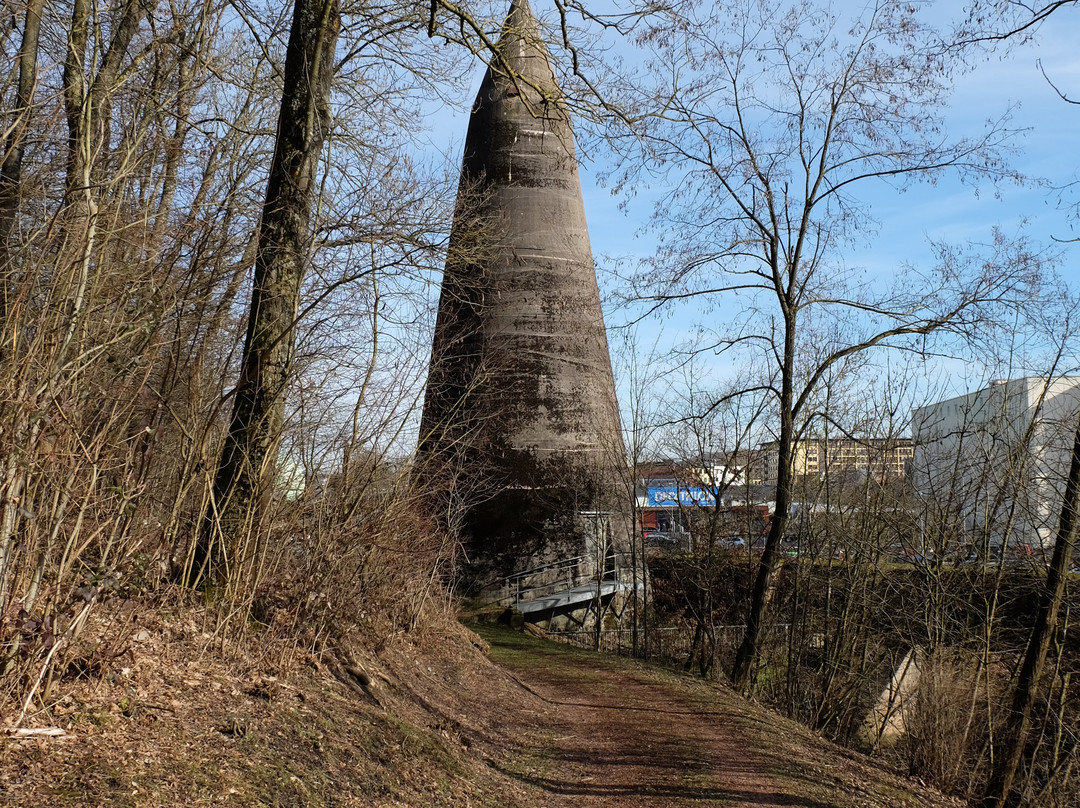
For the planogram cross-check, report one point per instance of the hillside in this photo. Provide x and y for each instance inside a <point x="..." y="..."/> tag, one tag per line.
<point x="428" y="719"/>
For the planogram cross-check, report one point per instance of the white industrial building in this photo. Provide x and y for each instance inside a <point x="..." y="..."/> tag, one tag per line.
<point x="991" y="465"/>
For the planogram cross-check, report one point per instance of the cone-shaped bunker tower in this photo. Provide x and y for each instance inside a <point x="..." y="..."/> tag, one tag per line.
<point x="520" y="446"/>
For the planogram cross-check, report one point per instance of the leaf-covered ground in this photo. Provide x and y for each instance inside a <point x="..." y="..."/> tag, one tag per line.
<point x="425" y="719"/>
<point x="617" y="733"/>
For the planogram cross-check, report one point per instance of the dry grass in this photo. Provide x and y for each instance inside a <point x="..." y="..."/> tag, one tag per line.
<point x="173" y="714"/>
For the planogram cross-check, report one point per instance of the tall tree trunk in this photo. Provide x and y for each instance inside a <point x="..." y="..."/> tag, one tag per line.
<point x="86" y="112"/>
<point x="75" y="90"/>
<point x="1012" y="737"/>
<point x="759" y="597"/>
<point x="13" y="148"/>
<point x="86" y="106"/>
<point x="248" y="458"/>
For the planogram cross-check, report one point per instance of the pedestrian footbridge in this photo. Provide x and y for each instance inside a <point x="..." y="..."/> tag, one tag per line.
<point x="563" y="585"/>
<point x="582" y="593"/>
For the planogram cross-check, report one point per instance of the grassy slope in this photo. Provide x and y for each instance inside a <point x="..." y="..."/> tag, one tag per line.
<point x="174" y="721"/>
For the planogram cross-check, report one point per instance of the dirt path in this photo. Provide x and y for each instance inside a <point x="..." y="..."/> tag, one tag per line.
<point x="609" y="733"/>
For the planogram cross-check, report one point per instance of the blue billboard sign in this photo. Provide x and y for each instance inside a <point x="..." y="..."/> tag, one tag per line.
<point x="670" y="496"/>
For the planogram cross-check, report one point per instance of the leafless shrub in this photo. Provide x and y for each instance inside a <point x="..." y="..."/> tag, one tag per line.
<point x="948" y="724"/>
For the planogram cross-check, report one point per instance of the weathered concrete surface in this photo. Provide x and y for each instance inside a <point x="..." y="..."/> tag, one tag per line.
<point x="887" y="721"/>
<point x="520" y="431"/>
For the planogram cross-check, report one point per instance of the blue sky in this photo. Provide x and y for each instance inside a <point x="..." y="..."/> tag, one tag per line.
<point x="1043" y="208"/>
<point x="1045" y="152"/>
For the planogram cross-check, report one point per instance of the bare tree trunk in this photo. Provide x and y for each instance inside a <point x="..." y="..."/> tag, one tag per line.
<point x="75" y="87"/>
<point x="86" y="108"/>
<point x="87" y="113"/>
<point x="1009" y="748"/>
<point x="246" y="467"/>
<point x="759" y="597"/>
<point x="10" y="192"/>
<point x="13" y="148"/>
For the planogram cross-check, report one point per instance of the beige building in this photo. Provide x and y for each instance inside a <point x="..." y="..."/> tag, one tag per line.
<point x="882" y="458"/>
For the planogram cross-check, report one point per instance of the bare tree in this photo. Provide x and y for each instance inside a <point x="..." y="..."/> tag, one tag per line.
<point x="767" y="121"/>
<point x="640" y="375"/>
<point x="249" y="457"/>
<point x="990" y="21"/>
<point x="14" y="146"/>
<point x="1011" y="741"/>
<point x="135" y="159"/>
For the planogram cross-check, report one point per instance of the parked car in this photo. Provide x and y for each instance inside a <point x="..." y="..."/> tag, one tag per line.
<point x="661" y="537"/>
<point x="1023" y="552"/>
<point x="789" y="546"/>
<point x="970" y="557"/>
<point x="903" y="552"/>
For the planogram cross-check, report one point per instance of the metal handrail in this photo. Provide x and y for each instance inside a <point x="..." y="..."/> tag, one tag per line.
<point x="517" y="594"/>
<point x="543" y="567"/>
